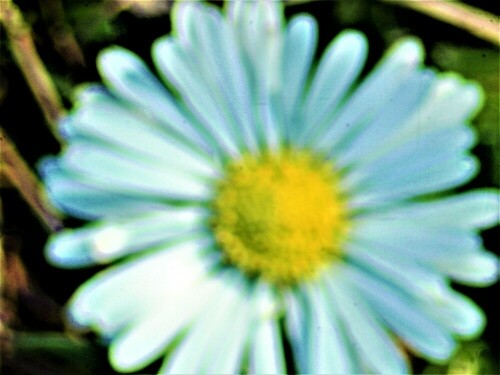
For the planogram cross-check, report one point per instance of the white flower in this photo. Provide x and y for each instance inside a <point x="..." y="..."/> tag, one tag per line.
<point x="258" y="201"/>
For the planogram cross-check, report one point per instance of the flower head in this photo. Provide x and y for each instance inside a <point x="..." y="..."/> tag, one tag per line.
<point x="259" y="201"/>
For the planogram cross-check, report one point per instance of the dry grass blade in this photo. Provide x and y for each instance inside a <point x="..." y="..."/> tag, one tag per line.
<point x="19" y="175"/>
<point x="27" y="58"/>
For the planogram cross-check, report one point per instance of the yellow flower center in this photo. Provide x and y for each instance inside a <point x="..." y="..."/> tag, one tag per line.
<point x="279" y="217"/>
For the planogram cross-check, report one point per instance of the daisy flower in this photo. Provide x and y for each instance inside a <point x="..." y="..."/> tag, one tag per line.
<point x="262" y="204"/>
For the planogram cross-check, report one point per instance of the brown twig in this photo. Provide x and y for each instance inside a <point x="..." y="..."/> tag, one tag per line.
<point x="60" y="32"/>
<point x="476" y="21"/>
<point x="19" y="174"/>
<point x="27" y="58"/>
<point x="137" y="7"/>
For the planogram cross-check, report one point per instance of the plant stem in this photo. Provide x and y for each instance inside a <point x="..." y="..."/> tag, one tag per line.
<point x="476" y="21"/>
<point x="61" y="33"/>
<point x="29" y="62"/>
<point x="15" y="169"/>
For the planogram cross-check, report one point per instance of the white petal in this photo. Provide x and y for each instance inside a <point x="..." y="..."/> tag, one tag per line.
<point x="329" y="351"/>
<point x="297" y="319"/>
<point x="473" y="209"/>
<point x="226" y="354"/>
<point x="89" y="200"/>
<point x="145" y="341"/>
<point x="398" y="65"/>
<point x="106" y="241"/>
<point x="457" y="312"/>
<point x="452" y="310"/>
<point x="191" y="355"/>
<point x="405" y="272"/>
<point x="398" y="238"/>
<point x="266" y="356"/>
<point x="271" y="122"/>
<point x="106" y="119"/>
<point x="176" y="66"/>
<point x="212" y="43"/>
<point x="299" y="47"/>
<point x="451" y="102"/>
<point x="454" y="253"/>
<point x="124" y="173"/>
<point x="376" y="348"/>
<point x="119" y="293"/>
<point x="420" y="153"/>
<point x="148" y="337"/>
<point x="476" y="269"/>
<point x="131" y="79"/>
<point x="338" y="68"/>
<point x="402" y="314"/>
<point x="258" y="27"/>
<point x="366" y="144"/>
<point x="404" y="184"/>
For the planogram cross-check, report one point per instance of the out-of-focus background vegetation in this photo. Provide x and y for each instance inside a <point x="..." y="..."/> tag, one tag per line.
<point x="67" y="35"/>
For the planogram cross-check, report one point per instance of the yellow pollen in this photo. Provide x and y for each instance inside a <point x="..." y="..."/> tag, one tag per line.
<point x="279" y="217"/>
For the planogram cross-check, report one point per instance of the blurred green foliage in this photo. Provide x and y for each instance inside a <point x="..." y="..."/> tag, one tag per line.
<point x="93" y="22"/>
<point x="472" y="358"/>
<point x="57" y="353"/>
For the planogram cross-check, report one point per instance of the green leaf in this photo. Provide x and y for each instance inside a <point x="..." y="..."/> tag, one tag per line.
<point x="472" y="358"/>
<point x="93" y="22"/>
<point x="56" y="352"/>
